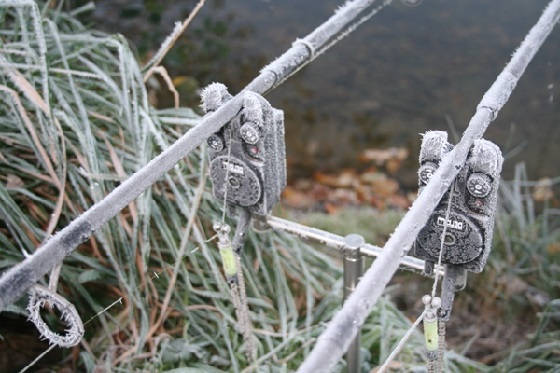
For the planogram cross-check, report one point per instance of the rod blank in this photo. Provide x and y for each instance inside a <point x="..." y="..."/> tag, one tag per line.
<point x="351" y="272"/>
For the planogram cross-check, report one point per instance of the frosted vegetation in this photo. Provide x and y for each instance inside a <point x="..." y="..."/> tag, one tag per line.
<point x="74" y="123"/>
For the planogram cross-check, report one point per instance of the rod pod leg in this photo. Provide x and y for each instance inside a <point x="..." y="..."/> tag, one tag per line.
<point x="352" y="270"/>
<point x="454" y="279"/>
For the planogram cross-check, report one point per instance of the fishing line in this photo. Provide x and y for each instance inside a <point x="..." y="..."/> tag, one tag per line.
<point x="443" y="233"/>
<point x="224" y="206"/>
<point x="401" y="343"/>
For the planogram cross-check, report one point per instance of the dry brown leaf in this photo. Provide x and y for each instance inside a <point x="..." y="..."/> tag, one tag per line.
<point x="331" y="208"/>
<point x="381" y="156"/>
<point x="345" y="196"/>
<point x="120" y="171"/>
<point x="365" y="194"/>
<point x="319" y="192"/>
<point x="168" y="82"/>
<point x="543" y="190"/>
<point x="393" y="165"/>
<point x="29" y="125"/>
<point x="297" y="199"/>
<point x="553" y="248"/>
<point x="27" y="89"/>
<point x="383" y="186"/>
<point x="101" y="117"/>
<point x="399" y="201"/>
<point x="346" y="178"/>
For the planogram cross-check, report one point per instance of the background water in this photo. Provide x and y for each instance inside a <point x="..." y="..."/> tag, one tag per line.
<point x="408" y="70"/>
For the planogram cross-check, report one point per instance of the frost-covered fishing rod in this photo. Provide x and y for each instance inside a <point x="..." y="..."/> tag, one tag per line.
<point x="19" y="278"/>
<point x="341" y="330"/>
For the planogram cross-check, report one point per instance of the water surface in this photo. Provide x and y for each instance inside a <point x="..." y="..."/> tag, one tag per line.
<point x="408" y="70"/>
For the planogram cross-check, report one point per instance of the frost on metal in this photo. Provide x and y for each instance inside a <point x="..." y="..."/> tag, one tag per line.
<point x="495" y="98"/>
<point x="483" y="158"/>
<point x="303" y="51"/>
<point x="41" y="297"/>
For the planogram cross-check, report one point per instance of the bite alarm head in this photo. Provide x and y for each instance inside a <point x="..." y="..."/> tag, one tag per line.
<point x="247" y="156"/>
<point x="473" y="198"/>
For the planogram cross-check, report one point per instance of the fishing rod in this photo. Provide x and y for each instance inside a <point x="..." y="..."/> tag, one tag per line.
<point x="15" y="281"/>
<point x="344" y="326"/>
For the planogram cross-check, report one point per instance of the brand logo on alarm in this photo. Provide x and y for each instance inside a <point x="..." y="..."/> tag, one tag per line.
<point x="232" y="167"/>
<point x="454" y="224"/>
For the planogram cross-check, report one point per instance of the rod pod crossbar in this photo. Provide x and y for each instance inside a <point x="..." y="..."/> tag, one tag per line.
<point x="338" y="243"/>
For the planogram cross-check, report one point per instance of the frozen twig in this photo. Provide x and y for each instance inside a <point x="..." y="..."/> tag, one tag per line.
<point x="104" y="310"/>
<point x="168" y="43"/>
<point x="342" y="329"/>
